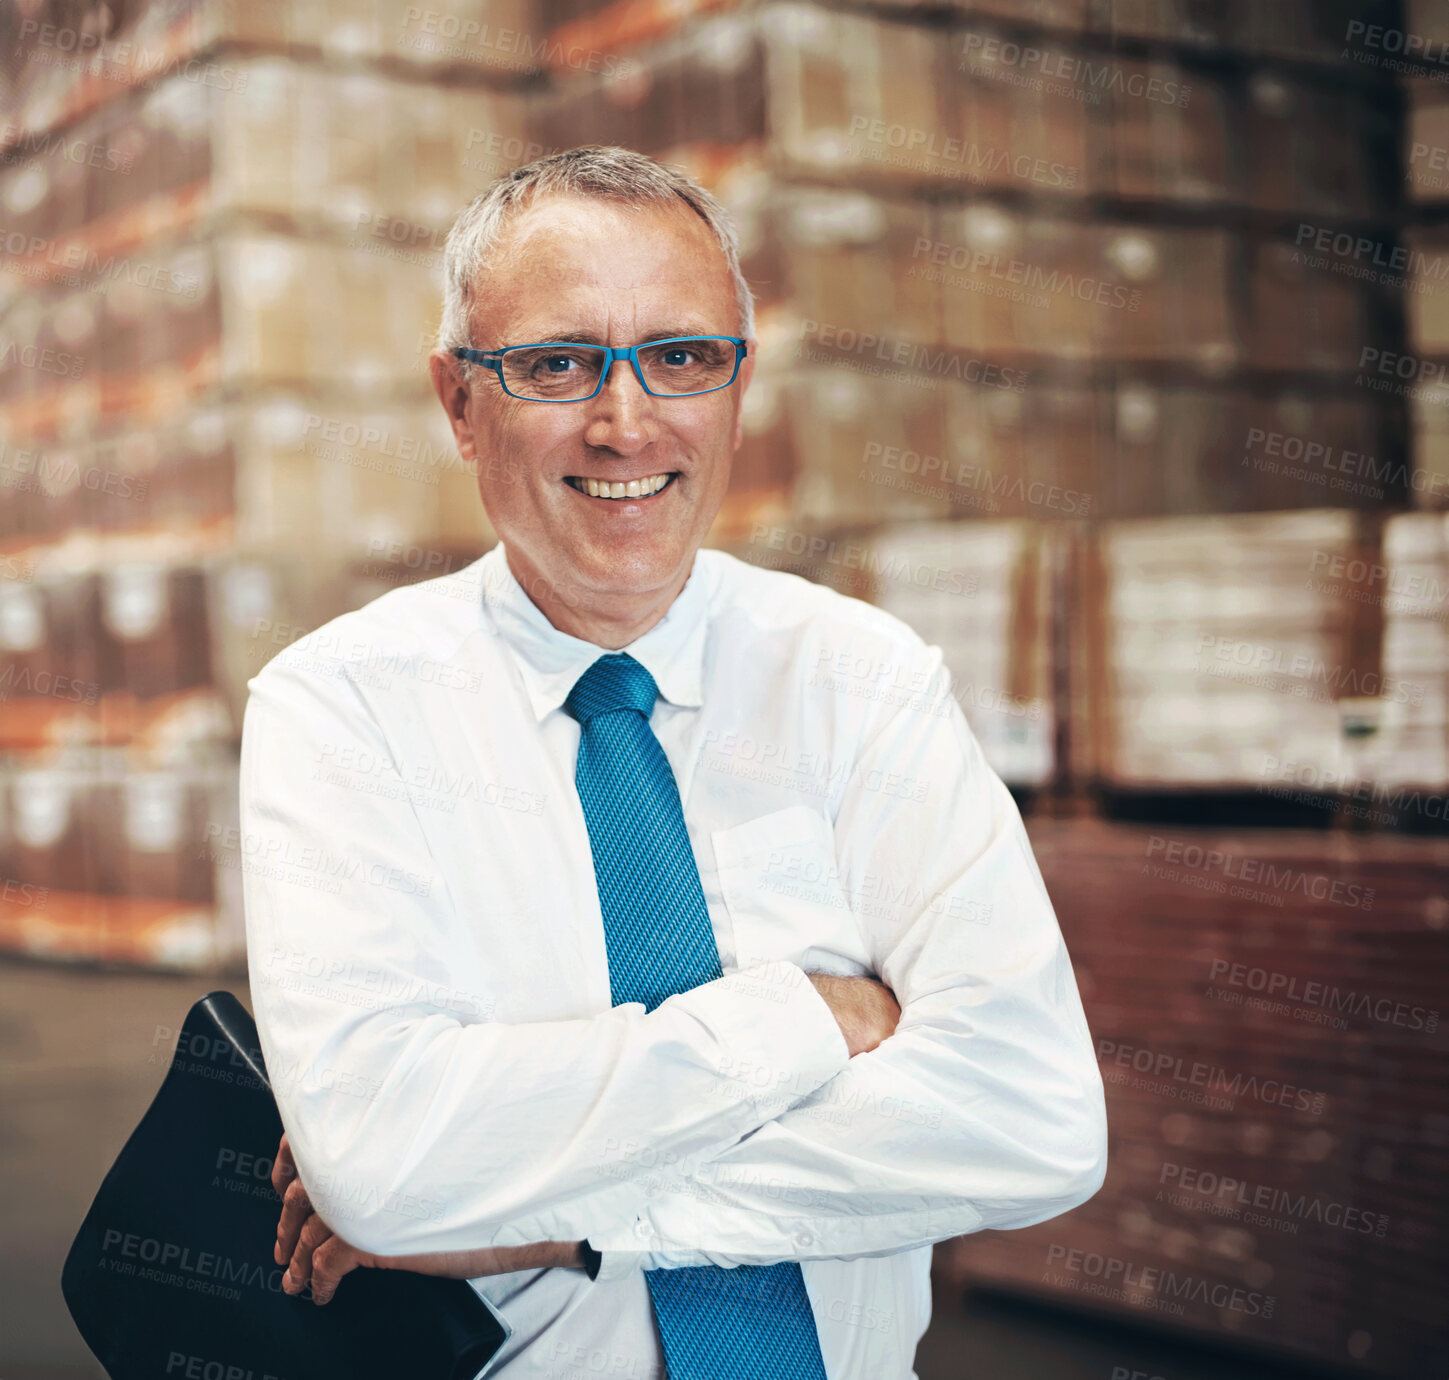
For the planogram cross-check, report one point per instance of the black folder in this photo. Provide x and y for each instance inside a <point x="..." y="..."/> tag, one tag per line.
<point x="172" y="1272"/>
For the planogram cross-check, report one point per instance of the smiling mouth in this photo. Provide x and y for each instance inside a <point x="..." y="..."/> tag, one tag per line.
<point x="646" y="487"/>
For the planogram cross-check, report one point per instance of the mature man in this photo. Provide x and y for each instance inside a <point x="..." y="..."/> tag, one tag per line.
<point x="561" y="992"/>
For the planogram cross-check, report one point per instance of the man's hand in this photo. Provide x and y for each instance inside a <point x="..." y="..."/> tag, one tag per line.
<point x="865" y="1010"/>
<point x="320" y="1257"/>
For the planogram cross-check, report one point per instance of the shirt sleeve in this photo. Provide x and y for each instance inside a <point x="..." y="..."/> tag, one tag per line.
<point x="417" y="1123"/>
<point x="985" y="1108"/>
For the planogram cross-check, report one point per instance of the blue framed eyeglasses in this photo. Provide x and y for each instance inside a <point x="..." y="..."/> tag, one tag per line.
<point x="559" y="371"/>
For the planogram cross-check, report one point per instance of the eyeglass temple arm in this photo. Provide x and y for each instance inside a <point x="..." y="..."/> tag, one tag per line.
<point x="488" y="357"/>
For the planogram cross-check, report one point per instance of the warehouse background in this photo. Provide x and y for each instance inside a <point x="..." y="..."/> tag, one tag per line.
<point x="1102" y="340"/>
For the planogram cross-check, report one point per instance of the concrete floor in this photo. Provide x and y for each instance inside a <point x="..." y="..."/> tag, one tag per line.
<point x="81" y="1056"/>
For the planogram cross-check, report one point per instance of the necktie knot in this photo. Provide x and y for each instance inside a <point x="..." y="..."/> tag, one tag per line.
<point x="614" y="681"/>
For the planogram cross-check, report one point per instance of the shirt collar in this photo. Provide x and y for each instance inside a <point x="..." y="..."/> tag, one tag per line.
<point x="550" y="661"/>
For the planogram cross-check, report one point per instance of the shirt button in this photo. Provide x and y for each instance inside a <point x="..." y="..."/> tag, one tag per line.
<point x="803" y="1238"/>
<point x="641" y="1230"/>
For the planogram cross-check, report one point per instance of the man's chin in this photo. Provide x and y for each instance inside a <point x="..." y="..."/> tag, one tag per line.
<point x="650" y="572"/>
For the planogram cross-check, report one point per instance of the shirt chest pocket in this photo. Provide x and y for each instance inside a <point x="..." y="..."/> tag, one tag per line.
<point x="783" y="891"/>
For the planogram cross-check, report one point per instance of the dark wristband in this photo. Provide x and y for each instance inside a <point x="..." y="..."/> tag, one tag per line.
<point x="592" y="1260"/>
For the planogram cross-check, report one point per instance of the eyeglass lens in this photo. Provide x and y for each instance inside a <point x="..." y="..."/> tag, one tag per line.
<point x="560" y="373"/>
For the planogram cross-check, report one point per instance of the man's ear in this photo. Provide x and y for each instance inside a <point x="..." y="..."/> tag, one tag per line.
<point x="747" y="372"/>
<point x="454" y="393"/>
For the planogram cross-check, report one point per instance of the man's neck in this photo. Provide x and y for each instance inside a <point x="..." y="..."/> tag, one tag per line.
<point x="608" y="621"/>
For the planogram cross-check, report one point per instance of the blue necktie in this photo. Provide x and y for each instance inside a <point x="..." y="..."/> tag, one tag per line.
<point x="752" y="1322"/>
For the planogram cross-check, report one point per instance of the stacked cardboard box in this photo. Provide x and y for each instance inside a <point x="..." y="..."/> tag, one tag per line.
<point x="1421" y="261"/>
<point x="920" y="197"/>
<point x="1406" y="743"/>
<point x="982" y="592"/>
<point x="219" y="282"/>
<point x="113" y="860"/>
<point x="1266" y="1015"/>
<point x="1230" y="644"/>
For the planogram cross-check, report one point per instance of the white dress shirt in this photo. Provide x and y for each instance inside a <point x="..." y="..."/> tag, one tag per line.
<point x="430" y="980"/>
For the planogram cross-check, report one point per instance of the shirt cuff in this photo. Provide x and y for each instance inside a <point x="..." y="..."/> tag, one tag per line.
<point x="605" y="1265"/>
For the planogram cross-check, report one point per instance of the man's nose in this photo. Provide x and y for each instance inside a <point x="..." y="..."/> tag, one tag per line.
<point x="622" y="416"/>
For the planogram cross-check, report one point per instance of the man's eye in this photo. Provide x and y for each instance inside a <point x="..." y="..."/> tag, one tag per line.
<point x="558" y="364"/>
<point x="677" y="356"/>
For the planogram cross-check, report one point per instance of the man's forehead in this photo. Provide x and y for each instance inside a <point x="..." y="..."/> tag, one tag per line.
<point x="571" y="214"/>
<point x="584" y="269"/>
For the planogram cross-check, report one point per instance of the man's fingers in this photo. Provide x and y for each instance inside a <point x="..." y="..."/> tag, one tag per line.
<point x="314" y="1233"/>
<point x="296" y="1212"/>
<point x="315" y="1254"/>
<point x="284" y="1167"/>
<point x="330" y="1261"/>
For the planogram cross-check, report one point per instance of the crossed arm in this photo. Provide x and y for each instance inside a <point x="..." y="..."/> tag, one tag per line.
<point x="983" y="1109"/>
<point x="865" y="1010"/>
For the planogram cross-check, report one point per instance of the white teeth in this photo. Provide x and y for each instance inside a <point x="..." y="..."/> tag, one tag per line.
<point x="632" y="488"/>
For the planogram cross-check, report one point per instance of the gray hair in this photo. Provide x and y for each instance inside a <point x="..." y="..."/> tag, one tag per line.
<point x="594" y="170"/>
